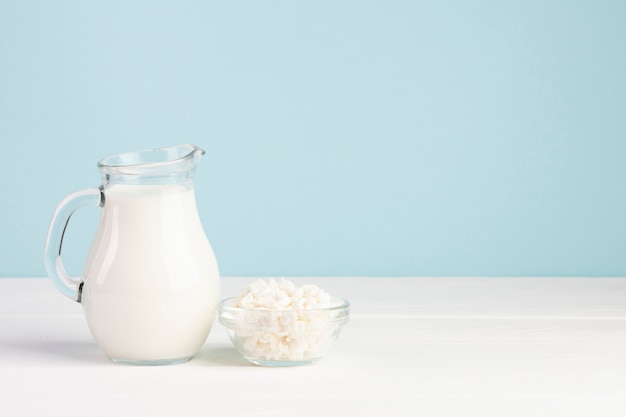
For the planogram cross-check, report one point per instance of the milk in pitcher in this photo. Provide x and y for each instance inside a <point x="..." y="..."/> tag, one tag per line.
<point x="159" y="270"/>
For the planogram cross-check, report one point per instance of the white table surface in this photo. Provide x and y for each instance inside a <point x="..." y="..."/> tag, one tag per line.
<point x="414" y="347"/>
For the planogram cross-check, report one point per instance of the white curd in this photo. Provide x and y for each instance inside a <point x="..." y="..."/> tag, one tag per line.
<point x="282" y="322"/>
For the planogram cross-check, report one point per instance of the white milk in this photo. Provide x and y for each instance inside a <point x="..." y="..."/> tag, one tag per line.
<point x="151" y="282"/>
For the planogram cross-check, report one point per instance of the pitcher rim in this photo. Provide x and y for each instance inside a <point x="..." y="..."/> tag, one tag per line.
<point x="185" y="151"/>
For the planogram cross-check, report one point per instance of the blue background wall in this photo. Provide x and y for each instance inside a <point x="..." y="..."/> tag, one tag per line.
<point x="342" y="137"/>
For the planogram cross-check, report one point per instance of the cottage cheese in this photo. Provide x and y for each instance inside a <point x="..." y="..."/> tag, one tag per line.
<point x="282" y="322"/>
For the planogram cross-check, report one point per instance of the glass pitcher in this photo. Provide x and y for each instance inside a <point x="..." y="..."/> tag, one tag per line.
<point x="150" y="285"/>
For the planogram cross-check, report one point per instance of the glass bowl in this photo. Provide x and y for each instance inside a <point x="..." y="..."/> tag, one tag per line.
<point x="286" y="337"/>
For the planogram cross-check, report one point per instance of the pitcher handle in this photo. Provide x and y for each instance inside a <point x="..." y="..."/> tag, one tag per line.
<point x="68" y="285"/>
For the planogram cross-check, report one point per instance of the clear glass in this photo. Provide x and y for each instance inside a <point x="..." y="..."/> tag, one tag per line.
<point x="286" y="337"/>
<point x="155" y="166"/>
<point x="150" y="285"/>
